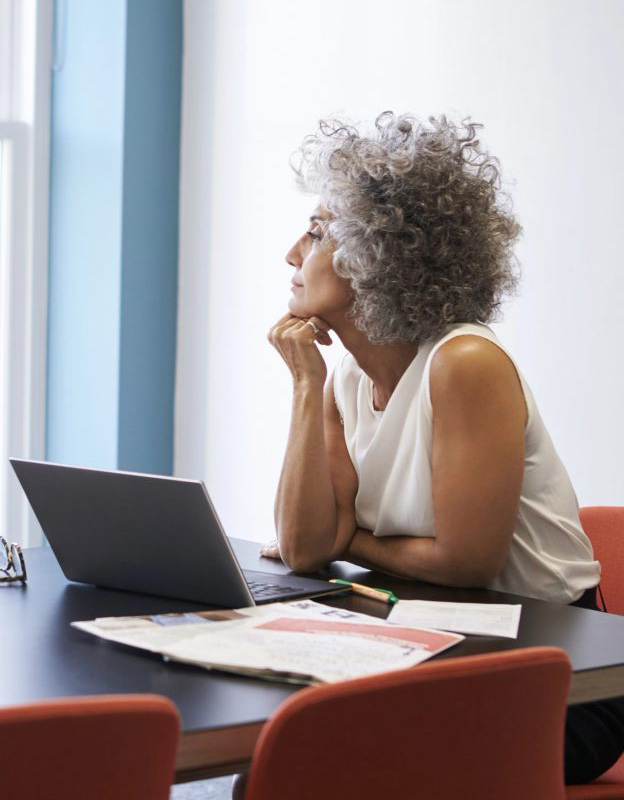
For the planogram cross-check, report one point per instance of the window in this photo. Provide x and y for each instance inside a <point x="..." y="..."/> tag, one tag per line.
<point x="25" y="55"/>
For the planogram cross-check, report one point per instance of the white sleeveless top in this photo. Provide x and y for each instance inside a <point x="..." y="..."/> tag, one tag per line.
<point x="551" y="557"/>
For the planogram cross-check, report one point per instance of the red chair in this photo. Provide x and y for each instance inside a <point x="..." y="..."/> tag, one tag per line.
<point x="119" y="747"/>
<point x="483" y="727"/>
<point x="605" y="527"/>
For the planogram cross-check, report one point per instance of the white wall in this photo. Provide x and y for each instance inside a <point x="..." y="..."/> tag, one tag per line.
<point x="544" y="76"/>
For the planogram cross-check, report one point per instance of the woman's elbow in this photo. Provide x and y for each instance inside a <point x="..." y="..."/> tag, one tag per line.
<point x="478" y="578"/>
<point x="302" y="562"/>
<point x="471" y="575"/>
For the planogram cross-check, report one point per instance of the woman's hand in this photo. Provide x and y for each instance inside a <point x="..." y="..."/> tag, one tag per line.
<point x="270" y="549"/>
<point x="295" y="340"/>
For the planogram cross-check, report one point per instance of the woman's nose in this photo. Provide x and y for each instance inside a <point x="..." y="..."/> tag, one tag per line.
<point x="293" y="256"/>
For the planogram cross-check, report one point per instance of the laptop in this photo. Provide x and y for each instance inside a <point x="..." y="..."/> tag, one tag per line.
<point x="151" y="534"/>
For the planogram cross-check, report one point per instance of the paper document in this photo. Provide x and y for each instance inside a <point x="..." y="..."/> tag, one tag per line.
<point x="486" y="619"/>
<point x="300" y="642"/>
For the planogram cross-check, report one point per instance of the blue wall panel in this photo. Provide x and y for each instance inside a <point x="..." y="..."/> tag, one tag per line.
<point x="114" y="233"/>
<point x="150" y="234"/>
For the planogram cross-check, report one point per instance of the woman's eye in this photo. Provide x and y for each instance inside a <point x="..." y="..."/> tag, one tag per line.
<point x="313" y="234"/>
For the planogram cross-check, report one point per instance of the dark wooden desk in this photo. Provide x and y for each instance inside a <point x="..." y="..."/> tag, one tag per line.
<point x="41" y="656"/>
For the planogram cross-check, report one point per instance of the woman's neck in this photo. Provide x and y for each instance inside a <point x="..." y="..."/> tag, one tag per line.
<point x="384" y="364"/>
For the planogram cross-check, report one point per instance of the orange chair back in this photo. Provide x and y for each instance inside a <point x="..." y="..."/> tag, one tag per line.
<point x="119" y="747"/>
<point x="487" y="727"/>
<point x="605" y="527"/>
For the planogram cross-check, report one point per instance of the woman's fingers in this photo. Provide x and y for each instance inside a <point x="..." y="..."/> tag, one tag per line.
<point x="316" y="324"/>
<point x="296" y="333"/>
<point x="320" y="328"/>
<point x="270" y="549"/>
<point x="319" y="323"/>
<point x="283" y="324"/>
<point x="295" y="340"/>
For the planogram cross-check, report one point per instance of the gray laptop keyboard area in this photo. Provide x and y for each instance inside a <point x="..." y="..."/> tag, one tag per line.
<point x="262" y="590"/>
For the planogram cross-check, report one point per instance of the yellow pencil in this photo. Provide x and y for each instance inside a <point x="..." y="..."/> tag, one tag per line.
<point x="385" y="595"/>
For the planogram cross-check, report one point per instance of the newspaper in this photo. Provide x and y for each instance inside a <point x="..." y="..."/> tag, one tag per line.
<point x="301" y="642"/>
<point x="486" y="619"/>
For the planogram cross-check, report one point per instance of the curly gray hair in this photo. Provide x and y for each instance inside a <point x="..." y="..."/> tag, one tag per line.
<point x="417" y="220"/>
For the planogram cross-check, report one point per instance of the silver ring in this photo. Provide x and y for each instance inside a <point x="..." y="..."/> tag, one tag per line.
<point x="314" y="326"/>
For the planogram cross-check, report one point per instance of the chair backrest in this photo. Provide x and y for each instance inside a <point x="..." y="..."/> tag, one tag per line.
<point x="605" y="527"/>
<point x="100" y="748"/>
<point x="487" y="727"/>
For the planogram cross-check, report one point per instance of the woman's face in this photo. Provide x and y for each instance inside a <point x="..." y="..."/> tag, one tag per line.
<point x="316" y="289"/>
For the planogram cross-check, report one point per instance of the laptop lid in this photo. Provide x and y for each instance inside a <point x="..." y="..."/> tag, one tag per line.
<point x="144" y="533"/>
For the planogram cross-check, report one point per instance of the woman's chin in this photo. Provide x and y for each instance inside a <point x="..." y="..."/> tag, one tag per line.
<point x="297" y="308"/>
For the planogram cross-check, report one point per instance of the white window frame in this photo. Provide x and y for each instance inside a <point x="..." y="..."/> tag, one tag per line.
<point x="24" y="193"/>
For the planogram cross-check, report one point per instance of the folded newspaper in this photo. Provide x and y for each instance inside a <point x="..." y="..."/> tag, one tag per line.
<point x="300" y="642"/>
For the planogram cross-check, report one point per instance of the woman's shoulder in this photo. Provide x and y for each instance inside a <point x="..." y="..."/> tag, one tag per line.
<point x="468" y="346"/>
<point x="472" y="367"/>
<point x="470" y="359"/>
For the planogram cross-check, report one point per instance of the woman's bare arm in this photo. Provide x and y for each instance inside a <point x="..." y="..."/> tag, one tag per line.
<point x="479" y="416"/>
<point x="314" y="515"/>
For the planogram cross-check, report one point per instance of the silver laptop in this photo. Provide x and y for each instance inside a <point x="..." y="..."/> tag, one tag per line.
<point x="147" y="533"/>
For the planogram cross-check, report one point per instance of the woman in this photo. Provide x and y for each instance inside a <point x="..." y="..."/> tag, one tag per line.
<point x="423" y="455"/>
